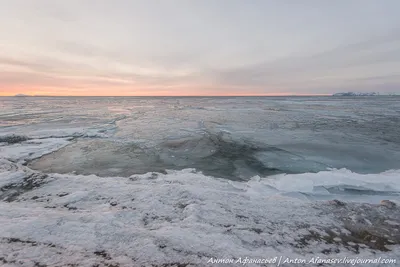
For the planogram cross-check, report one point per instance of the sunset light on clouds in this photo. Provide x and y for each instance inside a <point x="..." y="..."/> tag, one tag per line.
<point x="114" y="48"/>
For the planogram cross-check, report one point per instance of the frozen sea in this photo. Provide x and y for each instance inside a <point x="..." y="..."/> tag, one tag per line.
<point x="188" y="181"/>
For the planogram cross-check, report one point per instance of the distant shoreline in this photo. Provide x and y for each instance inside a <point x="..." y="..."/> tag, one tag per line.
<point x="21" y="95"/>
<point x="221" y="96"/>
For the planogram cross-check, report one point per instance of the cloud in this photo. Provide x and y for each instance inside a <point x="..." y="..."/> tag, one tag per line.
<point x="261" y="47"/>
<point x="360" y="61"/>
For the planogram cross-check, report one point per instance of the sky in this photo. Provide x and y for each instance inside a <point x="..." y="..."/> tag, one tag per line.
<point x="199" y="47"/>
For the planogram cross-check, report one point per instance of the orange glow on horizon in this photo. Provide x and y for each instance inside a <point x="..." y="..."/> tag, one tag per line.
<point x="146" y="91"/>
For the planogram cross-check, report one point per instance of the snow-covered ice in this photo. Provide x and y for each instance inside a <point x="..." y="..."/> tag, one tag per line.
<point x="178" y="217"/>
<point x="180" y="181"/>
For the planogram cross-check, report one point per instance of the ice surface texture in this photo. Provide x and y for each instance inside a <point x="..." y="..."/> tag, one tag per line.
<point x="177" y="181"/>
<point x="179" y="217"/>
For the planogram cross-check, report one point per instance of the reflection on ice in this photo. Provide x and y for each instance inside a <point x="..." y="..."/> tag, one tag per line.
<point x="215" y="155"/>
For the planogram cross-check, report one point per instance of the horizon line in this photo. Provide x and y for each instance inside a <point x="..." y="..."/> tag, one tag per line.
<point x="251" y="95"/>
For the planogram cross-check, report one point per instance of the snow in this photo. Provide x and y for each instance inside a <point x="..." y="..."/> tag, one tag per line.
<point x="10" y="177"/>
<point x="343" y="178"/>
<point x="183" y="216"/>
<point x="178" y="217"/>
<point x="31" y="149"/>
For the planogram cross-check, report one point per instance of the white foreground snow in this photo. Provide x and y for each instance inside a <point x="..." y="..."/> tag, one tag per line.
<point x="32" y="149"/>
<point x="162" y="219"/>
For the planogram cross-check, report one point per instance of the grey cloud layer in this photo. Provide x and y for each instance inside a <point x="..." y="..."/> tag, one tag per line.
<point x="313" y="47"/>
